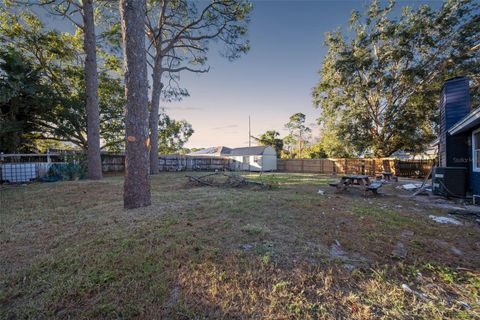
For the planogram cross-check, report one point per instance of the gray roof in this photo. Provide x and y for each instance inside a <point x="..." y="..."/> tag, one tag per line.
<point x="248" y="151"/>
<point x="470" y="121"/>
<point x="221" y="150"/>
<point x="212" y="150"/>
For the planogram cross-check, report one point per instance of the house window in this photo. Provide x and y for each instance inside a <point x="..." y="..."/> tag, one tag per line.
<point x="476" y="150"/>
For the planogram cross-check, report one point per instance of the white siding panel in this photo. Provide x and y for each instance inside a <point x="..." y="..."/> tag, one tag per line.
<point x="269" y="162"/>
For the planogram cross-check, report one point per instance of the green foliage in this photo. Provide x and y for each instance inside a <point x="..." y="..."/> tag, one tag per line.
<point x="298" y="136"/>
<point x="23" y="99"/>
<point x="316" y="151"/>
<point x="271" y="138"/>
<point x="74" y="168"/>
<point x="58" y="58"/>
<point x="379" y="88"/>
<point x="172" y="134"/>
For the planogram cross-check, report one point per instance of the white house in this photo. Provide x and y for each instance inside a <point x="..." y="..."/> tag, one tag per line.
<point x="260" y="158"/>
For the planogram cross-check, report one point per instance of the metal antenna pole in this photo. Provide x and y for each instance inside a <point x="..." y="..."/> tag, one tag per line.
<point x="249" y="133"/>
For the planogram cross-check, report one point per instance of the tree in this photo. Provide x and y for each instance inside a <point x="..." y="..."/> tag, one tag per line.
<point x="137" y="183"/>
<point x="316" y="151"/>
<point x="333" y="147"/>
<point x="173" y="134"/>
<point x="58" y="57"/>
<point x="331" y="141"/>
<point x="68" y="121"/>
<point x="81" y="14"/>
<point x="379" y="88"/>
<point x="179" y="35"/>
<point x="23" y="100"/>
<point x="271" y="138"/>
<point x="91" y="92"/>
<point x="298" y="132"/>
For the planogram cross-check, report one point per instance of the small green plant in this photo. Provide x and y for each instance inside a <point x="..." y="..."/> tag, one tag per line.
<point x="253" y="230"/>
<point x="264" y="248"/>
<point x="74" y="168"/>
<point x="279" y="286"/>
<point x="101" y="276"/>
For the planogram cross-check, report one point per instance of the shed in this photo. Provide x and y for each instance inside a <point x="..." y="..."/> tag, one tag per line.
<point x="260" y="158"/>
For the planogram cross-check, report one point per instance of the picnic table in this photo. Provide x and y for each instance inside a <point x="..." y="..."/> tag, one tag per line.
<point x="387" y="176"/>
<point x="356" y="179"/>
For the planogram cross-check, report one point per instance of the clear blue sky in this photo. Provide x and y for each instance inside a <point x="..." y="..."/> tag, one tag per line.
<point x="270" y="83"/>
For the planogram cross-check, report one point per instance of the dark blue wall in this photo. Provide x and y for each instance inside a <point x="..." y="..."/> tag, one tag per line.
<point x="456" y="100"/>
<point x="475" y="182"/>
<point x="454" y="105"/>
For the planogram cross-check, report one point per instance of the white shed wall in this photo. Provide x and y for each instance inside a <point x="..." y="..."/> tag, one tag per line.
<point x="265" y="162"/>
<point x="269" y="162"/>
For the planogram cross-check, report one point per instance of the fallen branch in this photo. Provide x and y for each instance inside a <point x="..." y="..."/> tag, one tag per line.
<point x="191" y="179"/>
<point x="232" y="181"/>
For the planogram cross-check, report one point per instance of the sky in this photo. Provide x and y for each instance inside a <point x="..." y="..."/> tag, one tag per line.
<point x="272" y="81"/>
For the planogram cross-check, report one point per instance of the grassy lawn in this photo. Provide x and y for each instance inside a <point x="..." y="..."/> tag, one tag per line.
<point x="70" y="250"/>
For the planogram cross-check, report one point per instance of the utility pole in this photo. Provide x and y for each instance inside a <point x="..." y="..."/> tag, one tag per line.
<point x="249" y="133"/>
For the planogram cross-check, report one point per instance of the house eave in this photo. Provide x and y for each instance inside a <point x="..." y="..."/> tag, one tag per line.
<point x="468" y="122"/>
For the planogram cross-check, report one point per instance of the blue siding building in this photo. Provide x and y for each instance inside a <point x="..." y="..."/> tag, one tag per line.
<point x="460" y="131"/>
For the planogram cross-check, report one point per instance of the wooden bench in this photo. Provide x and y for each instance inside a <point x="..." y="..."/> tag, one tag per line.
<point x="373" y="187"/>
<point x="340" y="186"/>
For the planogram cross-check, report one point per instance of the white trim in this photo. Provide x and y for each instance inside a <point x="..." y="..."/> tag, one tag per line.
<point x="475" y="196"/>
<point x="465" y="122"/>
<point x="474" y="155"/>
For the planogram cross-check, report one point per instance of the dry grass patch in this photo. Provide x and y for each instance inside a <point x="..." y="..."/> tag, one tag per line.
<point x="70" y="250"/>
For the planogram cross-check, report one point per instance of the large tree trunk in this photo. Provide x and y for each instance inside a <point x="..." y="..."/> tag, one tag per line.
<point x="91" y="90"/>
<point x="154" y="114"/>
<point x="137" y="179"/>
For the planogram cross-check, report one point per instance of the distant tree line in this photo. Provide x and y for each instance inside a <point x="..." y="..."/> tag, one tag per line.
<point x="298" y="143"/>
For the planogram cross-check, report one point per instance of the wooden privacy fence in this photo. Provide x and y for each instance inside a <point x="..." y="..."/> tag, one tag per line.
<point x="115" y="162"/>
<point x="368" y="166"/>
<point x="413" y="168"/>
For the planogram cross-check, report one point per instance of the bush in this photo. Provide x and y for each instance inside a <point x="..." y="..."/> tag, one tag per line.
<point x="74" y="168"/>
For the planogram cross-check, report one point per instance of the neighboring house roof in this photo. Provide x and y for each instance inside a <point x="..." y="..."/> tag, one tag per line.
<point x="221" y="150"/>
<point x="468" y="122"/>
<point x="248" y="151"/>
<point x="225" y="151"/>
